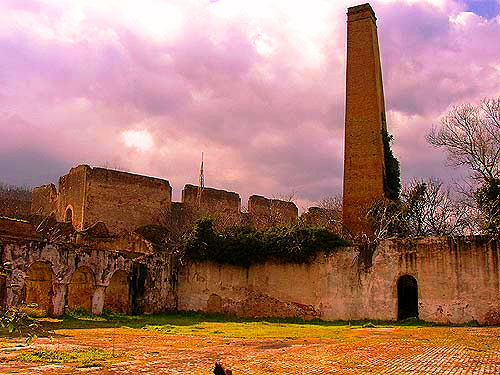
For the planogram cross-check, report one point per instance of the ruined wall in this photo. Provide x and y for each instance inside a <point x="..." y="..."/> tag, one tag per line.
<point x="223" y="205"/>
<point x="322" y="289"/>
<point x="125" y="201"/>
<point x="265" y="212"/>
<point x="71" y="196"/>
<point x="212" y="200"/>
<point x="329" y="218"/>
<point x="44" y="200"/>
<point x="72" y="287"/>
<point x="458" y="281"/>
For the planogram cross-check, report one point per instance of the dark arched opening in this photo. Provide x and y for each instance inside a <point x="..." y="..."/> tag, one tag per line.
<point x="69" y="215"/>
<point x="407" y="297"/>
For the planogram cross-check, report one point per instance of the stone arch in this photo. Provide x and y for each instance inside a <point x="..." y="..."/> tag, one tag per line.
<point x="38" y="285"/>
<point x="81" y="288"/>
<point x="68" y="215"/>
<point x="117" y="292"/>
<point x="407" y="297"/>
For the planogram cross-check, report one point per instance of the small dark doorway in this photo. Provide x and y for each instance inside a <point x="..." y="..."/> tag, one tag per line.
<point x="407" y="297"/>
<point x="69" y="215"/>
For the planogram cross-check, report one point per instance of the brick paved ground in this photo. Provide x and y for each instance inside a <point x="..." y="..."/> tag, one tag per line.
<point x="436" y="350"/>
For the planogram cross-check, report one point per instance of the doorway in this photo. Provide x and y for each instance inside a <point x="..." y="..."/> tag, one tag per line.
<point x="407" y="297"/>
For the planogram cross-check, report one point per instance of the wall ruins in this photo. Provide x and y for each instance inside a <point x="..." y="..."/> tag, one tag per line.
<point x="66" y="274"/>
<point x="124" y="201"/>
<point x="457" y="280"/>
<point x="452" y="280"/>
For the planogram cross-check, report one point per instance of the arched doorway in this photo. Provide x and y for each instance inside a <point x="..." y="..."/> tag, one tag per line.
<point x="81" y="288"/>
<point x="39" y="285"/>
<point x="407" y="297"/>
<point x="69" y="215"/>
<point x="117" y="292"/>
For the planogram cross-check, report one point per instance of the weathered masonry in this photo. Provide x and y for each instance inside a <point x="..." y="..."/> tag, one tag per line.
<point x="435" y="279"/>
<point x="365" y="122"/>
<point x="83" y="247"/>
<point x="120" y="274"/>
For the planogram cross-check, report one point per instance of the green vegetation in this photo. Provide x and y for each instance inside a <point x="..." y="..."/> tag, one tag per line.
<point x="89" y="357"/>
<point x="244" y="245"/>
<point x="18" y="319"/>
<point x="488" y="201"/>
<point x="392" y="179"/>
<point x="202" y="324"/>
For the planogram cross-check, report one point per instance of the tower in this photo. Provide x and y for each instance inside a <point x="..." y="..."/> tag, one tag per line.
<point x="364" y="168"/>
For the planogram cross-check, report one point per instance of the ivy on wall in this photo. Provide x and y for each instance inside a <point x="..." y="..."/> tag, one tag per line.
<point x="392" y="180"/>
<point x="244" y="246"/>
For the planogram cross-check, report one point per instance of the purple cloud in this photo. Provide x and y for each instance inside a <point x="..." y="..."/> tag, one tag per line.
<point x="257" y="86"/>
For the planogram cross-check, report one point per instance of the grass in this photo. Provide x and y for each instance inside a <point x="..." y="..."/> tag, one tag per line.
<point x="202" y="324"/>
<point x="91" y="357"/>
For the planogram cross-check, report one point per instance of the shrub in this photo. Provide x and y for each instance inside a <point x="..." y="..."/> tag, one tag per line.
<point x="244" y="245"/>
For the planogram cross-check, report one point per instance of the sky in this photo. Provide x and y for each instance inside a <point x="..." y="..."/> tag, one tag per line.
<point x="257" y="86"/>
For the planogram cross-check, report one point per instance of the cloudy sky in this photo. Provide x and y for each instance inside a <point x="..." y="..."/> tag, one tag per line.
<point x="258" y="86"/>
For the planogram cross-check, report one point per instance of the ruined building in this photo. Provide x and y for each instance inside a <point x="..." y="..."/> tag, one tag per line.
<point x="107" y="263"/>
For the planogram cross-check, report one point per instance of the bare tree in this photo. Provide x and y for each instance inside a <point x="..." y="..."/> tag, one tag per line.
<point x="327" y="213"/>
<point x="471" y="136"/>
<point x="426" y="208"/>
<point x="439" y="212"/>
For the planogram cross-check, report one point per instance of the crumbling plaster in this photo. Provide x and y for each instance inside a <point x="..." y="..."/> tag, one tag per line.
<point x="458" y="281"/>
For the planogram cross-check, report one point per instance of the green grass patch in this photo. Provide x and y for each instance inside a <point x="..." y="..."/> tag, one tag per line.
<point x="91" y="357"/>
<point x="202" y="324"/>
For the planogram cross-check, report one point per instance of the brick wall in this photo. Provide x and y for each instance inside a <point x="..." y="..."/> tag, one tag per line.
<point x="266" y="212"/>
<point x="125" y="201"/>
<point x="364" y="119"/>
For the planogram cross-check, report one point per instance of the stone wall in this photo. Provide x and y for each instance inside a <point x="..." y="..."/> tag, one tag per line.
<point x="71" y="196"/>
<point x="457" y="281"/>
<point x="125" y="201"/>
<point x="212" y="200"/>
<point x="266" y="212"/>
<point x="56" y="275"/>
<point x="44" y="200"/>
